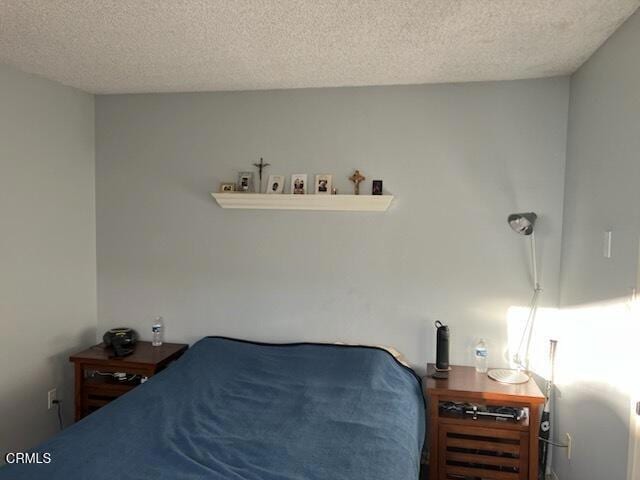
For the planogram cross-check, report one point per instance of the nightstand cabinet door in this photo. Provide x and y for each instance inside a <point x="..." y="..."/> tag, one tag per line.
<point x="486" y="453"/>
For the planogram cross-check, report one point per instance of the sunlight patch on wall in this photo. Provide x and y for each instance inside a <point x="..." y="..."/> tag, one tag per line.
<point x="596" y="343"/>
<point x="544" y="330"/>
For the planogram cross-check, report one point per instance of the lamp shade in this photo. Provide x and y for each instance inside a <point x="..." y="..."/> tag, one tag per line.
<point x="522" y="223"/>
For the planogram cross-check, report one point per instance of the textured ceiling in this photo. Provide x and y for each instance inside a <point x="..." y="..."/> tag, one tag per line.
<point x="118" y="46"/>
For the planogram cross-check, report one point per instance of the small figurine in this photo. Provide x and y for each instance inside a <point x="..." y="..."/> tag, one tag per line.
<point x="356" y="178"/>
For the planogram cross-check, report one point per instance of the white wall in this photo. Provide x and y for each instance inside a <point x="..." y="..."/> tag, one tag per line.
<point x="597" y="361"/>
<point x="47" y="249"/>
<point x="459" y="158"/>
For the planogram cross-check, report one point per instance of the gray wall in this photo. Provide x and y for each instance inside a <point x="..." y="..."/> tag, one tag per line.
<point x="459" y="158"/>
<point x="47" y="249"/>
<point x="602" y="193"/>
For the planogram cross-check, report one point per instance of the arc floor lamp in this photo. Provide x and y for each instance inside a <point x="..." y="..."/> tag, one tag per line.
<point x="523" y="224"/>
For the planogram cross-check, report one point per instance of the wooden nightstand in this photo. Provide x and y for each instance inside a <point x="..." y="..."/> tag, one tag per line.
<point x="461" y="447"/>
<point x="93" y="391"/>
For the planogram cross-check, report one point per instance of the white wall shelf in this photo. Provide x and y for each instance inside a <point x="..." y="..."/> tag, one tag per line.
<point x="263" y="201"/>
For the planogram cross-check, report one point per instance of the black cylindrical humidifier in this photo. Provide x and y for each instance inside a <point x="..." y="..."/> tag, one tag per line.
<point x="442" y="347"/>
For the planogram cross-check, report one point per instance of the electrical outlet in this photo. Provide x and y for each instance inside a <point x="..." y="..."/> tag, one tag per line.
<point x="51" y="396"/>
<point x="568" y="440"/>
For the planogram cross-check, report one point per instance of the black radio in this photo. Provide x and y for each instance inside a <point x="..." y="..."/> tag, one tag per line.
<point x="500" y="413"/>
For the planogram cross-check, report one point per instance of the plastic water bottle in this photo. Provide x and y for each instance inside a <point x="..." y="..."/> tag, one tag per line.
<point x="482" y="355"/>
<point x="157" y="331"/>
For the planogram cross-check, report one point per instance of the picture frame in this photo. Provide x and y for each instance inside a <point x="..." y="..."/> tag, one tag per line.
<point x="227" y="187"/>
<point x="299" y="184"/>
<point x="323" y="184"/>
<point x="275" y="184"/>
<point x="376" y="187"/>
<point x="245" y="182"/>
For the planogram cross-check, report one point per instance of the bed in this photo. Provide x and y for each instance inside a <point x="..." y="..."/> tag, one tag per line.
<point x="237" y="410"/>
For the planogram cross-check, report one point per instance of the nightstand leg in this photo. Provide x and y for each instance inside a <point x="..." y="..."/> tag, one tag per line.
<point x="79" y="374"/>
<point x="433" y="437"/>
<point x="534" y="428"/>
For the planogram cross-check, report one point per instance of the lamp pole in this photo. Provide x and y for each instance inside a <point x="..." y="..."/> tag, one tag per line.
<point x="534" y="262"/>
<point x="537" y="290"/>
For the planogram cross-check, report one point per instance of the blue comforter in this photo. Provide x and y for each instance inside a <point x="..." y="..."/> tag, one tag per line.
<point x="230" y="409"/>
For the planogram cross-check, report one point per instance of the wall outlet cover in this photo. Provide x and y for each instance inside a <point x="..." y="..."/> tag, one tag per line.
<point x="51" y="396"/>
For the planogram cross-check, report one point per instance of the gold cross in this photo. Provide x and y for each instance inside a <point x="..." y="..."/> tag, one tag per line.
<point x="356" y="178"/>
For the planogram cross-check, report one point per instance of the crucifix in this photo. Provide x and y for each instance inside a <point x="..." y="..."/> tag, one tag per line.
<point x="356" y="178"/>
<point x="260" y="166"/>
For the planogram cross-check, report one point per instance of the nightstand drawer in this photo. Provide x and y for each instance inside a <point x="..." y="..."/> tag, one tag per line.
<point x="100" y="385"/>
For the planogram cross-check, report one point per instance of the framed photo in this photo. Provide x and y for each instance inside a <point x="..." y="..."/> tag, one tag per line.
<point x="227" y="187"/>
<point x="275" y="184"/>
<point x="245" y="182"/>
<point x="299" y="184"/>
<point x="376" y="187"/>
<point x="323" y="184"/>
